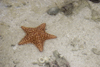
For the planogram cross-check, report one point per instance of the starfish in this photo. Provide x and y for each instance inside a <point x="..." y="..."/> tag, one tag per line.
<point x="36" y="36"/>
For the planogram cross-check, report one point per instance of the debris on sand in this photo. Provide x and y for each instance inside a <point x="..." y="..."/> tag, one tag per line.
<point x="67" y="9"/>
<point x="95" y="51"/>
<point x="95" y="15"/>
<point x="95" y="1"/>
<point x="57" y="61"/>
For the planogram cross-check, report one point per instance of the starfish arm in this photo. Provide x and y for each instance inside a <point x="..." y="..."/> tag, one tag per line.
<point x="27" y="29"/>
<point x="39" y="46"/>
<point x="49" y="36"/>
<point x="25" y="40"/>
<point x="42" y="27"/>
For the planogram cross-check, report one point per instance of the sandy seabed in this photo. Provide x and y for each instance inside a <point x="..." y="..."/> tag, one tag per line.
<point x="78" y="36"/>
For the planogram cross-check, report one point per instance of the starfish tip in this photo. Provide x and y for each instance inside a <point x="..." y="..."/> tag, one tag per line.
<point x="19" y="43"/>
<point x="22" y="27"/>
<point x="41" y="50"/>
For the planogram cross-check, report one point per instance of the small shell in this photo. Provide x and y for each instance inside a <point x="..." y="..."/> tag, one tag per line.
<point x="41" y="60"/>
<point x="47" y="59"/>
<point x="53" y="11"/>
<point x="61" y="56"/>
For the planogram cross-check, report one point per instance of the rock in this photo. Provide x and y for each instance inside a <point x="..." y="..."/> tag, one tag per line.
<point x="95" y="1"/>
<point x="95" y="51"/>
<point x="61" y="61"/>
<point x="67" y="9"/>
<point x="53" y="64"/>
<point x="53" y="11"/>
<point x="95" y="15"/>
<point x="12" y="45"/>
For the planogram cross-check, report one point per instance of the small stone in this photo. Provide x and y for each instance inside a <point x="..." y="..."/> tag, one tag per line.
<point x="53" y="11"/>
<point x="58" y="61"/>
<point x="9" y="5"/>
<point x="24" y="4"/>
<point x="53" y="64"/>
<point x="95" y="15"/>
<point x="12" y="45"/>
<point x="95" y="51"/>
<point x="62" y="62"/>
<point x="95" y="1"/>
<point x="15" y="62"/>
<point x="47" y="65"/>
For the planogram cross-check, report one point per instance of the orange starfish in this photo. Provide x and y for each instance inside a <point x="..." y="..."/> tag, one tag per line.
<point x="36" y="36"/>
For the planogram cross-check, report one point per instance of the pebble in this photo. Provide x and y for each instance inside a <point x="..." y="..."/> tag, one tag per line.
<point x="53" y="11"/>
<point x="58" y="61"/>
<point x="12" y="45"/>
<point x="16" y="62"/>
<point x="95" y="1"/>
<point x="95" y="51"/>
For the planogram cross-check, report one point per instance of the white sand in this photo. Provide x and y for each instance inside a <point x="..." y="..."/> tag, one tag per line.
<point x="76" y="35"/>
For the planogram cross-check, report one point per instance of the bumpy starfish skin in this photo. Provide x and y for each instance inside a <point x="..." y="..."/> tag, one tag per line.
<point x="36" y="36"/>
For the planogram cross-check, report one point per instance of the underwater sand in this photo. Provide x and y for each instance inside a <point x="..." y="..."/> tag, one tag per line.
<point x="78" y="36"/>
